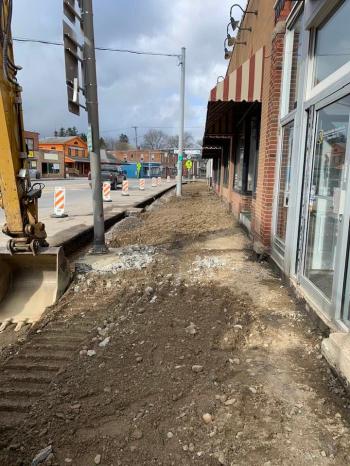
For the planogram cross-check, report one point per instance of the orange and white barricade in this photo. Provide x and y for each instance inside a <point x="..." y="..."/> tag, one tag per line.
<point x="159" y="181"/>
<point x="106" y="191"/>
<point x="125" y="188"/>
<point x="141" y="184"/>
<point x="168" y="179"/>
<point x="59" y="203"/>
<point x="154" y="182"/>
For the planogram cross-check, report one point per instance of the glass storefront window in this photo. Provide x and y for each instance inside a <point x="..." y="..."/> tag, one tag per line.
<point x="326" y="194"/>
<point x="253" y="155"/>
<point x="284" y="180"/>
<point x="332" y="45"/>
<point x="226" y="167"/>
<point x="246" y="156"/>
<point x="30" y="144"/>
<point x="239" y="161"/>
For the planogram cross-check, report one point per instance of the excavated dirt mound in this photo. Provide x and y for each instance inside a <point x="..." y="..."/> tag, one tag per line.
<point x="199" y="356"/>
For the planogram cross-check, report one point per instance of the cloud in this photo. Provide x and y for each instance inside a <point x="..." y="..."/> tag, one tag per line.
<point x="133" y="90"/>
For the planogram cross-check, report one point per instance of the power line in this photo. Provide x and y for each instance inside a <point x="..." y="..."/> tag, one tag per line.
<point x="147" y="127"/>
<point x="104" y="49"/>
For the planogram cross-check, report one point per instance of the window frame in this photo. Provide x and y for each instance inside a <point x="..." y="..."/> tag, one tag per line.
<point x="242" y="189"/>
<point x="286" y="117"/>
<point x="247" y="136"/>
<point x="320" y="16"/>
<point x="288" y="60"/>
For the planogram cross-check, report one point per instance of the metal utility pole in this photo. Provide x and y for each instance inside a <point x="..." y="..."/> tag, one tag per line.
<point x="99" y="244"/>
<point x="182" y="123"/>
<point x="135" y="128"/>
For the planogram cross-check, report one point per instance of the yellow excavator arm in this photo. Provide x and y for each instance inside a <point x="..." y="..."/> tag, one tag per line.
<point x="32" y="276"/>
<point x="18" y="197"/>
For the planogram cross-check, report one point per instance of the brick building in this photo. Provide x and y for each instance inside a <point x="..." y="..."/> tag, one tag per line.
<point x="281" y="155"/>
<point x="242" y="120"/>
<point x="165" y="158"/>
<point x="32" y="141"/>
<point x="74" y="150"/>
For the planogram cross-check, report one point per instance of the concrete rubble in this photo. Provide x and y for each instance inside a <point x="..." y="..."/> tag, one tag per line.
<point x="117" y="260"/>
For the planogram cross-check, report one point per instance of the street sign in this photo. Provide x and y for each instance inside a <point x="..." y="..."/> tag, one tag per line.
<point x="181" y="157"/>
<point x="188" y="164"/>
<point x="72" y="60"/>
<point x="188" y="156"/>
<point x="69" y="10"/>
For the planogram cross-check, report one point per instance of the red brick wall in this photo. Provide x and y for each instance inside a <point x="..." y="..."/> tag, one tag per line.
<point x="262" y="220"/>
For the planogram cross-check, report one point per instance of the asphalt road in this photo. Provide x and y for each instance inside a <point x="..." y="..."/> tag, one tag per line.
<point x="78" y="197"/>
<point x="79" y="207"/>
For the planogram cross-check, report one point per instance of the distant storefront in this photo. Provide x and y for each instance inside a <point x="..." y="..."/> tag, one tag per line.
<point x="76" y="156"/>
<point x="49" y="164"/>
<point x="147" y="170"/>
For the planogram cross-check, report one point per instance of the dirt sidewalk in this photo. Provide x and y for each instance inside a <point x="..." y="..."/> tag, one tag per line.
<point x="185" y="352"/>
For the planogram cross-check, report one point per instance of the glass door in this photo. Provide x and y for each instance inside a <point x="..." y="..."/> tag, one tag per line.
<point x="326" y="202"/>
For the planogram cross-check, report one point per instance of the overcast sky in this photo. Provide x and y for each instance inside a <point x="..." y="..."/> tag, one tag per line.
<point x="133" y="90"/>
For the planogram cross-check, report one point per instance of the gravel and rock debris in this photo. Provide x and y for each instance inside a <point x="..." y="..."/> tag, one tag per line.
<point x="199" y="358"/>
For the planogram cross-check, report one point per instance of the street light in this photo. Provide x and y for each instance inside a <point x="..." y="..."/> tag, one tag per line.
<point x="228" y="53"/>
<point x="235" y="25"/>
<point x="222" y="77"/>
<point x="254" y="12"/>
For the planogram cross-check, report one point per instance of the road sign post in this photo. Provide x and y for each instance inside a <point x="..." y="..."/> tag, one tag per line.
<point x="99" y="245"/>
<point x="182" y="123"/>
<point x="88" y="63"/>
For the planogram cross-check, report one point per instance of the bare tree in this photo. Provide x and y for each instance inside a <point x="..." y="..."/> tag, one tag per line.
<point x="120" y="143"/>
<point x="173" y="141"/>
<point x="154" y="139"/>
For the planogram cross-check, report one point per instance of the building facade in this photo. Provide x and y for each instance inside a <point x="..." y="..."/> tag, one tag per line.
<point x="241" y="128"/>
<point x="74" y="150"/>
<point x="166" y="158"/>
<point x="281" y="157"/>
<point x="150" y="159"/>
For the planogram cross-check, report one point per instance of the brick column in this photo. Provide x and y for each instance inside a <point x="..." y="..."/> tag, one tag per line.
<point x="262" y="223"/>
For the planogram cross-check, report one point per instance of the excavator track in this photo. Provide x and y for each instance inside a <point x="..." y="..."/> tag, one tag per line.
<point x="27" y="376"/>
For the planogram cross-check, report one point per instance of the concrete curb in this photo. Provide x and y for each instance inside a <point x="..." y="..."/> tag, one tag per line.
<point x="336" y="350"/>
<point x="85" y="236"/>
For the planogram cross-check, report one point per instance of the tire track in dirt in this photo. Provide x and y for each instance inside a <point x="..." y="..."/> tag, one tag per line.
<point x="26" y="376"/>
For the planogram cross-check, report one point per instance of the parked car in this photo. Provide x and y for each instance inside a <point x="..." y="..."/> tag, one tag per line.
<point x="112" y="173"/>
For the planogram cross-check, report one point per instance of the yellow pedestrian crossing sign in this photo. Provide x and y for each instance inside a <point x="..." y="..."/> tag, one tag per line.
<point x="188" y="164"/>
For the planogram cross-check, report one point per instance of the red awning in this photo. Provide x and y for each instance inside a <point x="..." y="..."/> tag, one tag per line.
<point x="243" y="83"/>
<point x="68" y="160"/>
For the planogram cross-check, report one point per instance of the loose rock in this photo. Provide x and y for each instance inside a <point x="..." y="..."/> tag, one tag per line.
<point x="197" y="368"/>
<point x="105" y="342"/>
<point x="42" y="455"/>
<point x="207" y="418"/>
<point x="191" y="329"/>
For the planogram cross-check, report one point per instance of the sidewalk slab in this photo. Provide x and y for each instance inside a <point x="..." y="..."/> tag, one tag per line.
<point x="72" y="239"/>
<point x="76" y="230"/>
<point x="336" y="350"/>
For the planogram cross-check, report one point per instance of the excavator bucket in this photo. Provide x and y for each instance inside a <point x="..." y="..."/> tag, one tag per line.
<point x="28" y="284"/>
